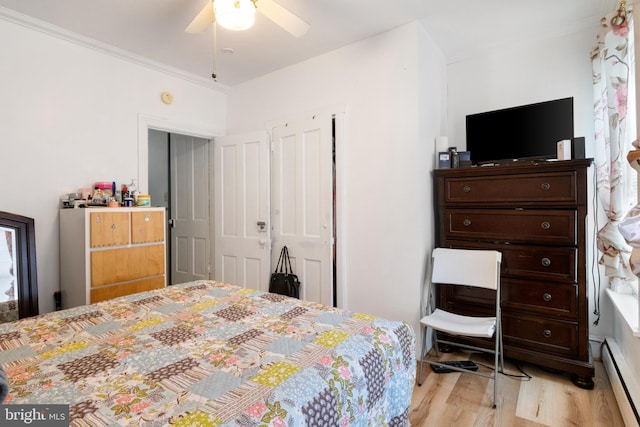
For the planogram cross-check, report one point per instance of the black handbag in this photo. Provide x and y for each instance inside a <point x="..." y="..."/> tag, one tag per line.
<point x="283" y="281"/>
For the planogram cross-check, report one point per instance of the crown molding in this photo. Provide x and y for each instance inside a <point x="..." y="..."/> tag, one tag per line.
<point x="89" y="43"/>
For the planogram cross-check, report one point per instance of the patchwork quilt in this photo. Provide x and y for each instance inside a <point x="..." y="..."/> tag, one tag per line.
<point x="212" y="354"/>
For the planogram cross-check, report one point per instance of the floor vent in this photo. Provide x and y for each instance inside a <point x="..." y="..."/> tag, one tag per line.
<point x="624" y="385"/>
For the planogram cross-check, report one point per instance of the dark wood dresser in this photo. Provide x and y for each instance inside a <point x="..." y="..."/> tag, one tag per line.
<point x="534" y="213"/>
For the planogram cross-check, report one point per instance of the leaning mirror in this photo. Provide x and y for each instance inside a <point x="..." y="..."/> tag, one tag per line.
<point x="18" y="274"/>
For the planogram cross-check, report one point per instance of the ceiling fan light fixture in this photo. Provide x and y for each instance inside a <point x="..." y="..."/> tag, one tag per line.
<point x="235" y="15"/>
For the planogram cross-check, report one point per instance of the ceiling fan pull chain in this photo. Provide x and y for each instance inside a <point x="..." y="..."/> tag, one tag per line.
<point x="215" y="49"/>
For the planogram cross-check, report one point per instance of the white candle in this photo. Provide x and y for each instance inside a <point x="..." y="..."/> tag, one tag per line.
<point x="442" y="144"/>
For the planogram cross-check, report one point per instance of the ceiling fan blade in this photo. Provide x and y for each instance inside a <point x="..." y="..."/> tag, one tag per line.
<point x="202" y="19"/>
<point x="281" y="16"/>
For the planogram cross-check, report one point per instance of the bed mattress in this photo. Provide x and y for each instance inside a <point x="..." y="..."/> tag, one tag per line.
<point x="209" y="353"/>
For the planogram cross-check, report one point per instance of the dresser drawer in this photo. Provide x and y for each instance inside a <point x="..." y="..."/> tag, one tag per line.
<point x="548" y="298"/>
<point x="471" y="301"/>
<point x="109" y="229"/>
<point x="555" y="263"/>
<point x="126" y="264"/>
<point x="540" y="334"/>
<point x="147" y="227"/>
<point x="556" y="227"/>
<point x="108" y="292"/>
<point x="511" y="189"/>
<point x="540" y="262"/>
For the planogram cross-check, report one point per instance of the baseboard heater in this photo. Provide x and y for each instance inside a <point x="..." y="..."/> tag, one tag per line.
<point x="624" y="385"/>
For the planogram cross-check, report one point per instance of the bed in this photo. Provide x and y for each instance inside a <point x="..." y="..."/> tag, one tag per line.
<point x="209" y="353"/>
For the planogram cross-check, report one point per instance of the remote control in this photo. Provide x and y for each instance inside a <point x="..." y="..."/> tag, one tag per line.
<point x="465" y="364"/>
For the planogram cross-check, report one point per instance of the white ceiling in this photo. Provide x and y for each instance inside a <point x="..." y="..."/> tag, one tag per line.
<point x="155" y="28"/>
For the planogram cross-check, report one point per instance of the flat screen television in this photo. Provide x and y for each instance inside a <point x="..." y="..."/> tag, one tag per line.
<point x="524" y="132"/>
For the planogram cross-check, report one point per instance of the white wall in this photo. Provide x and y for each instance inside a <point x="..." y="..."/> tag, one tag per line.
<point x="517" y="75"/>
<point x="69" y="117"/>
<point x="524" y="74"/>
<point x="393" y="87"/>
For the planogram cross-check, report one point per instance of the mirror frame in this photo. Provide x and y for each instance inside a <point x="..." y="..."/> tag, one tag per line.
<point x="27" y="285"/>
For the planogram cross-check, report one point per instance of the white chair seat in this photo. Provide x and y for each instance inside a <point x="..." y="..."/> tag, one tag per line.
<point x="456" y="324"/>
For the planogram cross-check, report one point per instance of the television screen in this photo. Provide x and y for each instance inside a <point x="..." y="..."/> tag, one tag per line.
<point x="528" y="131"/>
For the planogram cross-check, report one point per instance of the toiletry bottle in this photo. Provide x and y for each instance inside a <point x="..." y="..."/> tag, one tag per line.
<point x="455" y="159"/>
<point x="133" y="190"/>
<point x="97" y="196"/>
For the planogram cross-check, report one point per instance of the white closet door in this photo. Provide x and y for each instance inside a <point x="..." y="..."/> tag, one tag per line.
<point x="241" y="176"/>
<point x="302" y="202"/>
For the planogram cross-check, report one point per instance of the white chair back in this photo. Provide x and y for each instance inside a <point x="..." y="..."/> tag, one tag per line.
<point x="467" y="267"/>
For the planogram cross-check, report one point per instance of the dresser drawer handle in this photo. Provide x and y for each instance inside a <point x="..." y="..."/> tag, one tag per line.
<point x="546" y="186"/>
<point x="113" y="226"/>
<point x="546" y="225"/>
<point x="547" y="333"/>
<point x="466" y="222"/>
<point x="546" y="262"/>
<point x="466" y="189"/>
<point x="546" y="297"/>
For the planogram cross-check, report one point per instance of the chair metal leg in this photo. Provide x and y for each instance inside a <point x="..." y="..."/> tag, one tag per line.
<point x="497" y="368"/>
<point x="496" y="372"/>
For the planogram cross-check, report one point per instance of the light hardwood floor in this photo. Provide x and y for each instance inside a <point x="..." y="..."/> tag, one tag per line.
<point x="546" y="399"/>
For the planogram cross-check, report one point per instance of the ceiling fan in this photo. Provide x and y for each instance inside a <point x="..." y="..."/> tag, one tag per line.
<point x="239" y="15"/>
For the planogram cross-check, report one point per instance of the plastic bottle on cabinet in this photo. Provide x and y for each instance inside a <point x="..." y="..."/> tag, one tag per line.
<point x="124" y="193"/>
<point x="133" y="190"/>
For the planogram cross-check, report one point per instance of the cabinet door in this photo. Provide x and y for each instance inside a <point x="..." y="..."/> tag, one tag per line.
<point x="147" y="227"/>
<point x="109" y="229"/>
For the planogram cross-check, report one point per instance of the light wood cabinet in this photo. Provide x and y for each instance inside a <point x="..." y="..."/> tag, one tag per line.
<point x="110" y="252"/>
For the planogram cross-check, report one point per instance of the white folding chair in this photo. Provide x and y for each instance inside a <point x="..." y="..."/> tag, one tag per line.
<point x="464" y="267"/>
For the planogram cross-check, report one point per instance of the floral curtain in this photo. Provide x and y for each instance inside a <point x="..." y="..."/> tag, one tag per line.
<point x="613" y="75"/>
